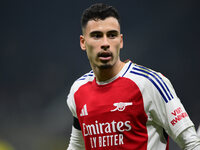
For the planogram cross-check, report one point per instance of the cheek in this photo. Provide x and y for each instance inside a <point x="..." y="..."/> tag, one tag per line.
<point x="116" y="49"/>
<point x="90" y="50"/>
<point x="117" y="46"/>
<point x="92" y="47"/>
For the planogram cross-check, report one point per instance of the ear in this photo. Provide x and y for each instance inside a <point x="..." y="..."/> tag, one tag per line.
<point x="82" y="42"/>
<point x="121" y="41"/>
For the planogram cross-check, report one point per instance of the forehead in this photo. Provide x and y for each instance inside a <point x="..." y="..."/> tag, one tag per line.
<point x="105" y="25"/>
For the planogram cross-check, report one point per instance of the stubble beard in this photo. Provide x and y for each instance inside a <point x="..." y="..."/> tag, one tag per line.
<point x="105" y="66"/>
<point x="102" y="65"/>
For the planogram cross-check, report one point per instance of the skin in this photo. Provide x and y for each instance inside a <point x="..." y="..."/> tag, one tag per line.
<point x="102" y="42"/>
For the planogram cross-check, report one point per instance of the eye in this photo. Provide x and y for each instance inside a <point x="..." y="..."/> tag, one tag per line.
<point x="96" y="35"/>
<point x="112" y="35"/>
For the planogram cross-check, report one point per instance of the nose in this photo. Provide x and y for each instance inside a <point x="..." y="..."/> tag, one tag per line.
<point x="105" y="45"/>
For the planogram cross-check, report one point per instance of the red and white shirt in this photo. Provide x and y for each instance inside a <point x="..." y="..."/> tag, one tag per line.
<point x="133" y="110"/>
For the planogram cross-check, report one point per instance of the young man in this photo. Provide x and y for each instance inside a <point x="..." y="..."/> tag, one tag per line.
<point x="122" y="105"/>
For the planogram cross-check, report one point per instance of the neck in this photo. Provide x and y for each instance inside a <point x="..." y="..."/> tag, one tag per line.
<point x="108" y="73"/>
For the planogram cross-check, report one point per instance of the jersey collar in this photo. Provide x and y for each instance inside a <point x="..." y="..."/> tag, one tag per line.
<point x="120" y="74"/>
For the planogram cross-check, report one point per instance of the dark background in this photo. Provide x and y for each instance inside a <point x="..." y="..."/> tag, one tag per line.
<point x="40" y="57"/>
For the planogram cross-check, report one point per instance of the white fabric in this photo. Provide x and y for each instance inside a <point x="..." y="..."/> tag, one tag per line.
<point x="198" y="131"/>
<point x="188" y="139"/>
<point x="76" y="140"/>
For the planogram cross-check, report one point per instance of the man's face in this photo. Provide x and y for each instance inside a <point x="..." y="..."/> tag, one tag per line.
<point x="102" y="41"/>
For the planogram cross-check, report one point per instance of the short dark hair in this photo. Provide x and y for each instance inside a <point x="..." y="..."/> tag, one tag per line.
<point x="98" y="11"/>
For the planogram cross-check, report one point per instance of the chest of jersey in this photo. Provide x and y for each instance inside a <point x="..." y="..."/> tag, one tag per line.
<point x="112" y="115"/>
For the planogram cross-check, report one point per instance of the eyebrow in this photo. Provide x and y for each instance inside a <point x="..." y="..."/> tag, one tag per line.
<point x="113" y="31"/>
<point x="97" y="32"/>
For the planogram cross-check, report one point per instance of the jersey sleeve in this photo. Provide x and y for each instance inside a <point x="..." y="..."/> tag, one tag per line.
<point x="76" y="85"/>
<point x="166" y="109"/>
<point x="198" y="131"/>
<point x="71" y="102"/>
<point x="76" y="140"/>
<point x="188" y="139"/>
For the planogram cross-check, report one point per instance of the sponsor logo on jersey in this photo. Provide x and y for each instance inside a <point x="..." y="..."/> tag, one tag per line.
<point x="106" y="134"/>
<point x="121" y="106"/>
<point x="178" y="114"/>
<point x="84" y="111"/>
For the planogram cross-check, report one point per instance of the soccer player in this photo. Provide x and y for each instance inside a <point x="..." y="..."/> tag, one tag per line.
<point x="122" y="105"/>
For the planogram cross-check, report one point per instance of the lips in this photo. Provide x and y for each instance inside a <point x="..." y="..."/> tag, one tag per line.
<point x="105" y="56"/>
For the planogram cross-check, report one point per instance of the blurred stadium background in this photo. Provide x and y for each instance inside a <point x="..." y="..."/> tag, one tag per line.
<point x="40" y="58"/>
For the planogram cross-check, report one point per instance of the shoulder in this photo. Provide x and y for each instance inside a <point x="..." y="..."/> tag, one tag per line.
<point x="88" y="77"/>
<point x="153" y="81"/>
<point x="144" y="74"/>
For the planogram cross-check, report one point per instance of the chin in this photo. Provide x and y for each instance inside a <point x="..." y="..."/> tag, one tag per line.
<point x="105" y="66"/>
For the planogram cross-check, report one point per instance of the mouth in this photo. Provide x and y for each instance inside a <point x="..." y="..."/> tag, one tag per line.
<point x="105" y="56"/>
